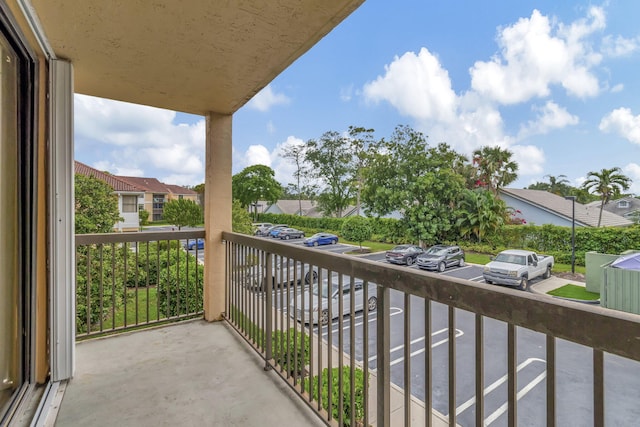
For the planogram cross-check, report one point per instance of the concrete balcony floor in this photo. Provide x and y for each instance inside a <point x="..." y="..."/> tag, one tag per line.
<point x="191" y="373"/>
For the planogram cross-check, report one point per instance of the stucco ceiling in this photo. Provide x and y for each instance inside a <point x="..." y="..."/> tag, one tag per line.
<point x="190" y="56"/>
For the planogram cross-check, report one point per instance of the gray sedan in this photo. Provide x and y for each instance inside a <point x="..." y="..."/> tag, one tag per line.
<point x="439" y="257"/>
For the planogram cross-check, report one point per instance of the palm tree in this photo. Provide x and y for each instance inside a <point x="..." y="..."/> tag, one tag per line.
<point x="607" y="183"/>
<point x="557" y="184"/>
<point x="479" y="213"/>
<point x="495" y="167"/>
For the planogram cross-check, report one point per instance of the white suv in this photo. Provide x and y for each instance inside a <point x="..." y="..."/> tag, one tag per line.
<point x="261" y="227"/>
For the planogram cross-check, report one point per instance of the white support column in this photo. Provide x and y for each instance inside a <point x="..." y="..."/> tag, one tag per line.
<point x="217" y="209"/>
<point x="62" y="248"/>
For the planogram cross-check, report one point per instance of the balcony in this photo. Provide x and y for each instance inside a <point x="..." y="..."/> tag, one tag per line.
<point x="431" y="350"/>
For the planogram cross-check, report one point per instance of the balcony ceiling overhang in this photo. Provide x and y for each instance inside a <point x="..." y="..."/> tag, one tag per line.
<point x="193" y="56"/>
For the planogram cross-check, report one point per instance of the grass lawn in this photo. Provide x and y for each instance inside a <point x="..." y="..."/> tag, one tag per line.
<point x="373" y="246"/>
<point x="142" y="307"/>
<point x="575" y="292"/>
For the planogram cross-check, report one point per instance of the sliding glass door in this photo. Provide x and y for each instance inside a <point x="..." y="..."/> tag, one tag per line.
<point x="11" y="295"/>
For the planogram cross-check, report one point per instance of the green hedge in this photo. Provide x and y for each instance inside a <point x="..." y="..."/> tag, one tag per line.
<point x="549" y="239"/>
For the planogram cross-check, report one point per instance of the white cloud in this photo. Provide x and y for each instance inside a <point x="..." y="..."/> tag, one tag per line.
<point x="267" y="98"/>
<point x="617" y="88"/>
<point x="136" y="140"/>
<point x="258" y="155"/>
<point x="550" y="116"/>
<point x="271" y="128"/>
<point x="114" y="169"/>
<point x="529" y="158"/>
<point x="619" y="46"/>
<point x="417" y="86"/>
<point x="632" y="170"/>
<point x="535" y="54"/>
<point x="346" y="93"/>
<point x="622" y="122"/>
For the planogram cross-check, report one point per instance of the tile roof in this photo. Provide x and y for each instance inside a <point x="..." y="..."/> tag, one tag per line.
<point x="114" y="181"/>
<point x="176" y="189"/>
<point x="586" y="215"/>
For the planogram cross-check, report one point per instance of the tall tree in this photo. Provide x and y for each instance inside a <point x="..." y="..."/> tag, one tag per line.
<point x="200" y="190"/>
<point x="295" y="153"/>
<point x="331" y="159"/>
<point x="405" y="175"/>
<point x="255" y="183"/>
<point x="607" y="183"/>
<point x="96" y="209"/>
<point x="558" y="185"/>
<point x="495" y="168"/>
<point x="182" y="213"/>
<point x="360" y="139"/>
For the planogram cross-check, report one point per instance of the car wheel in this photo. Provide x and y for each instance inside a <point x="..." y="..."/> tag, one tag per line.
<point x="524" y="283"/>
<point x="372" y="303"/>
<point x="442" y="266"/>
<point x="315" y="243"/>
<point x="547" y="273"/>
<point x="324" y="317"/>
<point x="488" y="282"/>
<point x="314" y="277"/>
<point x="461" y="262"/>
<point x="286" y="237"/>
<point x="409" y="261"/>
<point x="333" y="242"/>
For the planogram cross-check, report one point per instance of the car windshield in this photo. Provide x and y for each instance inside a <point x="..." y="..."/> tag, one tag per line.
<point x="317" y="235"/>
<point x="511" y="259"/>
<point x="324" y="288"/>
<point x="434" y="250"/>
<point x="400" y="248"/>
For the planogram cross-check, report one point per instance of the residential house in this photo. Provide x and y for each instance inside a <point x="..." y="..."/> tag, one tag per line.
<point x="127" y="193"/>
<point x="541" y="207"/>
<point x="627" y="207"/>
<point x="156" y="194"/>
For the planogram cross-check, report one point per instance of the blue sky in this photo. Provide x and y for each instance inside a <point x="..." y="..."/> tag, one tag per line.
<point x="554" y="82"/>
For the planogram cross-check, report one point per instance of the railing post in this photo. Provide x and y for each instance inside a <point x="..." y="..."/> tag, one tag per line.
<point x="384" y="356"/>
<point x="267" y="287"/>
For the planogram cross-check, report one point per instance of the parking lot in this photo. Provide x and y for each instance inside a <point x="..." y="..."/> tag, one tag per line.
<point x="573" y="362"/>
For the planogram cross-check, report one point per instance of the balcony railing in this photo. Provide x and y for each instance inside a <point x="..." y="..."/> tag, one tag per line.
<point x="394" y="347"/>
<point x="126" y="281"/>
<point x="414" y="345"/>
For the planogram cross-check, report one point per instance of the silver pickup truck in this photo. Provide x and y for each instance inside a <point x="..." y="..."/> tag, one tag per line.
<point x="516" y="267"/>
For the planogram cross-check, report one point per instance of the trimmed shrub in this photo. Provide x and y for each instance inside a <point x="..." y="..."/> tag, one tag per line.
<point x="312" y="386"/>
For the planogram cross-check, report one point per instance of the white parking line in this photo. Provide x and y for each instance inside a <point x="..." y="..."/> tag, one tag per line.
<point x="477" y="279"/>
<point x="466" y="405"/>
<point x="392" y="312"/>
<point x="459" y="333"/>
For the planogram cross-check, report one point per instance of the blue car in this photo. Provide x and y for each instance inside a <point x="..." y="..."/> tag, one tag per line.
<point x="194" y="244"/>
<point x="321" y="239"/>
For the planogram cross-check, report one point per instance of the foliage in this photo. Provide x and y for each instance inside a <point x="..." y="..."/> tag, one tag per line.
<point x="200" y="190"/>
<point x="180" y="286"/>
<point x="495" y="169"/>
<point x="98" y="290"/>
<point x="296" y="153"/>
<point x="331" y="160"/>
<point x="311" y="384"/>
<point x="144" y="216"/>
<point x="405" y="175"/>
<point x="255" y="183"/>
<point x="357" y="229"/>
<point x="96" y="205"/>
<point x="182" y="212"/>
<point x="608" y="183"/>
<point x="480" y="213"/>
<point x="290" y="350"/>
<point x="240" y="219"/>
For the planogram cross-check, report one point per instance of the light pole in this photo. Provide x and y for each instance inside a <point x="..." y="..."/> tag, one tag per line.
<point x="573" y="232"/>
